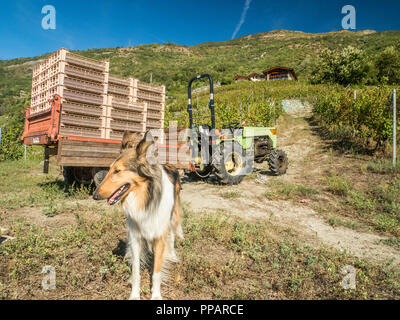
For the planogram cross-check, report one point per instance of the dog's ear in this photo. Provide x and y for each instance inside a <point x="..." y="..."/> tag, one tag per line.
<point x="146" y="157"/>
<point x="130" y="140"/>
<point x="145" y="145"/>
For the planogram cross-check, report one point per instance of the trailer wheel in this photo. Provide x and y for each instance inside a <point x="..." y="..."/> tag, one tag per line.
<point x="278" y="162"/>
<point x="79" y="175"/>
<point x="68" y="175"/>
<point x="232" y="163"/>
<point x="98" y="175"/>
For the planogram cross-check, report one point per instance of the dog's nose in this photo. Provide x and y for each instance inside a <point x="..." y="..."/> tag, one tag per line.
<point x="96" y="196"/>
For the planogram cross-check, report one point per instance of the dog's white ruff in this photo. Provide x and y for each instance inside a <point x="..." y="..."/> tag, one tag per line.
<point x="145" y="226"/>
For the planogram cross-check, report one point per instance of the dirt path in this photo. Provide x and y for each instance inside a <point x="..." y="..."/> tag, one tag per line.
<point x="307" y="159"/>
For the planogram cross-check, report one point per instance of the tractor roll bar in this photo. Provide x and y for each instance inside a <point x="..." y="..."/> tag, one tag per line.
<point x="210" y="104"/>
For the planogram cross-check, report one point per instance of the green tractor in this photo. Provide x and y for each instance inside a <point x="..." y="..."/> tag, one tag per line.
<point x="230" y="152"/>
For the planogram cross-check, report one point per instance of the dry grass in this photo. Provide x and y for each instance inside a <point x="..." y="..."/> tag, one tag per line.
<point x="221" y="258"/>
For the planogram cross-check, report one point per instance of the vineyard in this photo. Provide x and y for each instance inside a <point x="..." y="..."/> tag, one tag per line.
<point x="364" y="116"/>
<point x="366" y="120"/>
<point x="250" y="103"/>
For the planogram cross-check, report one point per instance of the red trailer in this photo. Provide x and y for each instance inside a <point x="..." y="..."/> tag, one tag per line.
<point x="79" y="113"/>
<point x="81" y="157"/>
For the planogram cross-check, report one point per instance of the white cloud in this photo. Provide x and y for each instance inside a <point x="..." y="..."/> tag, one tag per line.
<point x="242" y="18"/>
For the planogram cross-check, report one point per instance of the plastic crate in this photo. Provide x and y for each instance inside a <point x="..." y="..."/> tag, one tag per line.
<point x="154" y="124"/>
<point x="82" y="121"/>
<point x="85" y="62"/>
<point x="156" y="115"/>
<point x="79" y="72"/>
<point x="149" y="87"/>
<point x="82" y="97"/>
<point x="127" y="125"/>
<point x="80" y="108"/>
<point x="80" y="132"/>
<point x="152" y="105"/>
<point x="118" y="89"/>
<point x="128" y="115"/>
<point x="83" y="85"/>
<point x="118" y="99"/>
<point x="117" y="135"/>
<point x="118" y="81"/>
<point x="139" y="107"/>
<point x="149" y="96"/>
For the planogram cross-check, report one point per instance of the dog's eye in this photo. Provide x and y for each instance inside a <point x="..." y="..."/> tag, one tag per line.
<point x="116" y="171"/>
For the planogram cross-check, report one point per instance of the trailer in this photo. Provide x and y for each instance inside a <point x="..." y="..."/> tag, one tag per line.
<point x="79" y="113"/>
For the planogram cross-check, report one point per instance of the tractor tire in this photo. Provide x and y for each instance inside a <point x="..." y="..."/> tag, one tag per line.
<point x="68" y="175"/>
<point x="231" y="163"/>
<point x="278" y="162"/>
<point x="77" y="175"/>
<point x="98" y="175"/>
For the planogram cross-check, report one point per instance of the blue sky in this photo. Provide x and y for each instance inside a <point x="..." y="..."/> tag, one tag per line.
<point x="105" y="23"/>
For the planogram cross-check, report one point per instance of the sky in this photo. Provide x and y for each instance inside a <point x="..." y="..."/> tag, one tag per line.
<point x="85" y="24"/>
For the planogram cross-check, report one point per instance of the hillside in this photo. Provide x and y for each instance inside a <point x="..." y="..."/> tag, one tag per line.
<point x="174" y="64"/>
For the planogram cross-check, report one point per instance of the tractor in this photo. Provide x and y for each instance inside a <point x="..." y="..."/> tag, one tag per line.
<point x="229" y="153"/>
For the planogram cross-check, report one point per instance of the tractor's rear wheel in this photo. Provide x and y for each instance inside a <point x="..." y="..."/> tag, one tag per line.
<point x="232" y="164"/>
<point x="79" y="175"/>
<point x="278" y="162"/>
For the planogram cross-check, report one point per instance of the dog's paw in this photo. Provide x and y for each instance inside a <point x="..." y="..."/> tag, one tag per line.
<point x="173" y="257"/>
<point x="134" y="297"/>
<point x="179" y="233"/>
<point x="156" y="298"/>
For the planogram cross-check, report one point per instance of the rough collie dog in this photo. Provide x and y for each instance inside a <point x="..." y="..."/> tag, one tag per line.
<point x="149" y="193"/>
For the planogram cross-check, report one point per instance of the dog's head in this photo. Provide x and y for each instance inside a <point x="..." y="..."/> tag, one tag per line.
<point x="131" y="171"/>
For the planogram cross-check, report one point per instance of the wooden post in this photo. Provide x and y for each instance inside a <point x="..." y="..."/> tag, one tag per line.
<point x="46" y="160"/>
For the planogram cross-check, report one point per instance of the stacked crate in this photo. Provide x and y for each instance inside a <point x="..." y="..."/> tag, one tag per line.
<point x="95" y="104"/>
<point x="154" y="96"/>
<point x="125" y="112"/>
<point x="82" y="85"/>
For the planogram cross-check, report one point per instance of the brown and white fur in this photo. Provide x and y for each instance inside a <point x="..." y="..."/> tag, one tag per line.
<point x="149" y="194"/>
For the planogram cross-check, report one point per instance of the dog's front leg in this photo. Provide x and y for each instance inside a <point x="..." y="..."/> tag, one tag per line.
<point x="135" y="247"/>
<point x="159" y="252"/>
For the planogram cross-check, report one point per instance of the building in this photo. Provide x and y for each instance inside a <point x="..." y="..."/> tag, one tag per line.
<point x="280" y="73"/>
<point x="255" y="76"/>
<point x="275" y="73"/>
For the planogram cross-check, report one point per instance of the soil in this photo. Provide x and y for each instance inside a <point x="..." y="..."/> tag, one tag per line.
<point x="308" y="160"/>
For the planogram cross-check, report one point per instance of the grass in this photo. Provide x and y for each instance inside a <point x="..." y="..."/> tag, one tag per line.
<point x="24" y="185"/>
<point x="383" y="167"/>
<point x="339" y="185"/>
<point x="277" y="189"/>
<point x="336" y="222"/>
<point x="231" y="194"/>
<point x="222" y="257"/>
<point x="375" y="202"/>
<point x="393" y="242"/>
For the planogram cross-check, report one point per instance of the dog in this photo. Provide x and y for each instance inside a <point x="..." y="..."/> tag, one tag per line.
<point x="149" y="194"/>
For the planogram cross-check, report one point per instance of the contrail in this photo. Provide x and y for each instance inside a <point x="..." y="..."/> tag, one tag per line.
<point x="242" y="18"/>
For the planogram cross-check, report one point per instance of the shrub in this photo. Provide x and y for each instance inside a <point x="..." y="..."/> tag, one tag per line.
<point x="343" y="67"/>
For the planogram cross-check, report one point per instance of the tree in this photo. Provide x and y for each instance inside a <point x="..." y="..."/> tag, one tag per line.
<point x="345" y="67"/>
<point x="387" y="66"/>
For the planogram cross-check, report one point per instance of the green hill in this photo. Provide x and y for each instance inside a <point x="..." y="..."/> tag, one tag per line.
<point x="174" y="64"/>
